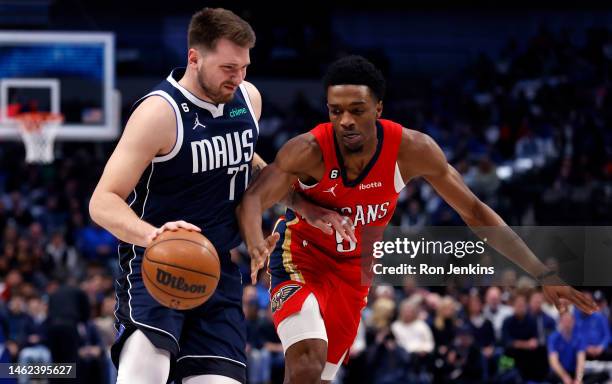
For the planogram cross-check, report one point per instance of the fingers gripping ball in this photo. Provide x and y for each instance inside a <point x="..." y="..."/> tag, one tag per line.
<point x="181" y="269"/>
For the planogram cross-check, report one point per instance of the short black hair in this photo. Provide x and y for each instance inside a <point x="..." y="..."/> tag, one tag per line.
<point x="355" y="70"/>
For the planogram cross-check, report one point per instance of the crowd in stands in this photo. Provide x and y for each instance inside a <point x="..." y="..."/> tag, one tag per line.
<point x="528" y="130"/>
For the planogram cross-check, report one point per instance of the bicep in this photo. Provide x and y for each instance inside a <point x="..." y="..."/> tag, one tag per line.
<point x="271" y="185"/>
<point x="295" y="157"/>
<point x="138" y="146"/>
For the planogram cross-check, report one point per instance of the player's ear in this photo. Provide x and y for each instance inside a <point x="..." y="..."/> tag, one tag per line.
<point x="379" y="109"/>
<point x="193" y="55"/>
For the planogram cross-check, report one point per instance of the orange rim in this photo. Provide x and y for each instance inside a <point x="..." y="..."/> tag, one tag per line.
<point x="33" y="121"/>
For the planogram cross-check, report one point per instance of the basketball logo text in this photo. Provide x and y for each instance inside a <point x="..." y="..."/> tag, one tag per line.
<point x="167" y="279"/>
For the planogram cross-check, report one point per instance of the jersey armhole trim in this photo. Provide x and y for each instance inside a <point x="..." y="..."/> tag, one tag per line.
<point x="305" y="186"/>
<point x="247" y="99"/>
<point x="398" y="181"/>
<point x="179" y="126"/>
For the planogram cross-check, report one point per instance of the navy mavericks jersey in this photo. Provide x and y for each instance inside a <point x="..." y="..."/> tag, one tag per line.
<point x="203" y="177"/>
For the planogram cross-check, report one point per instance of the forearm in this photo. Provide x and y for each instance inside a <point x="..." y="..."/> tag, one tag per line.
<point x="580" y="365"/>
<point x="557" y="367"/>
<point x="111" y="212"/>
<point x="488" y="224"/>
<point x="249" y="219"/>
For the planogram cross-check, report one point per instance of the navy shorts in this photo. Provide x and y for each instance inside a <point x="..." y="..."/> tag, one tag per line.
<point x="207" y="340"/>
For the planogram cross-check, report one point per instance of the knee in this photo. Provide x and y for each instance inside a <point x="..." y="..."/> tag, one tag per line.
<point x="308" y="369"/>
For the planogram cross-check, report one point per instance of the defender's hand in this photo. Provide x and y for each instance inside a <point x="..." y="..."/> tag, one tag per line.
<point x="561" y="294"/>
<point x="328" y="221"/>
<point x="260" y="252"/>
<point x="171" y="226"/>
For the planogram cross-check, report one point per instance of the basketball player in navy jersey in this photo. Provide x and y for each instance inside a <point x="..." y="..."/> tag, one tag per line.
<point x="184" y="161"/>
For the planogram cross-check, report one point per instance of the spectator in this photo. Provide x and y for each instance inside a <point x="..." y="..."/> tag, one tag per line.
<point x="68" y="308"/>
<point x="464" y="359"/>
<point x="258" y="358"/>
<point x="412" y="333"/>
<point x="34" y="351"/>
<point x="381" y="315"/>
<point x="520" y="340"/>
<point x="20" y="324"/>
<point x="495" y="311"/>
<point x="566" y="354"/>
<point x="484" y="336"/>
<point x="386" y="361"/>
<point x="91" y="358"/>
<point x="443" y="324"/>
<point x="595" y="331"/>
<point x="105" y="325"/>
<point x="60" y="260"/>
<point x="96" y="244"/>
<point x="544" y="323"/>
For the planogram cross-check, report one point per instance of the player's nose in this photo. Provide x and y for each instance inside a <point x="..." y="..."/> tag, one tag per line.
<point x="347" y="121"/>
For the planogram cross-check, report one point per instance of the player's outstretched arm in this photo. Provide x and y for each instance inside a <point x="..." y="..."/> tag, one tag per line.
<point x="421" y="156"/>
<point x="294" y="159"/>
<point x="149" y="132"/>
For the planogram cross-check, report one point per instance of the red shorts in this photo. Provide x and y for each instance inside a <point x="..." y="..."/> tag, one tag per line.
<point x="340" y="305"/>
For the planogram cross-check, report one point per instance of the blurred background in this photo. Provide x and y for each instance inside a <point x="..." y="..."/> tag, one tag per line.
<point x="519" y="98"/>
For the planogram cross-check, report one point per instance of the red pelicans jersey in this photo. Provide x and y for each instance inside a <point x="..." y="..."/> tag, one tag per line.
<point x="369" y="201"/>
<point x="306" y="260"/>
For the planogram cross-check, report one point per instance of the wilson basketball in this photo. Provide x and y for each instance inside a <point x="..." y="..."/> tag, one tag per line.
<point x="181" y="269"/>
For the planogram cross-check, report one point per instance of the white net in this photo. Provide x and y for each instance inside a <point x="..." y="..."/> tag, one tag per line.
<point x="38" y="134"/>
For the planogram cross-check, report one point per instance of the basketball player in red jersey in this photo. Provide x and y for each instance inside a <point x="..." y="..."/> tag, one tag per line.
<point x="356" y="164"/>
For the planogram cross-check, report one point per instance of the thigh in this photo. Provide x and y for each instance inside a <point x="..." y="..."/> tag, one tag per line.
<point x="304" y="324"/>
<point x="213" y="340"/>
<point x="141" y="362"/>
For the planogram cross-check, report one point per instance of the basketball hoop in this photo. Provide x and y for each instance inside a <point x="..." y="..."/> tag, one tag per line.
<point x="38" y="131"/>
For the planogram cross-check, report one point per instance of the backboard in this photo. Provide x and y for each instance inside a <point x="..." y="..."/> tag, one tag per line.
<point x="71" y="73"/>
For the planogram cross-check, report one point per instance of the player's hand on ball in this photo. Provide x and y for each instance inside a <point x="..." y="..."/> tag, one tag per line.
<point x="172" y="226"/>
<point x="328" y="221"/>
<point x="561" y="295"/>
<point x="260" y="252"/>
